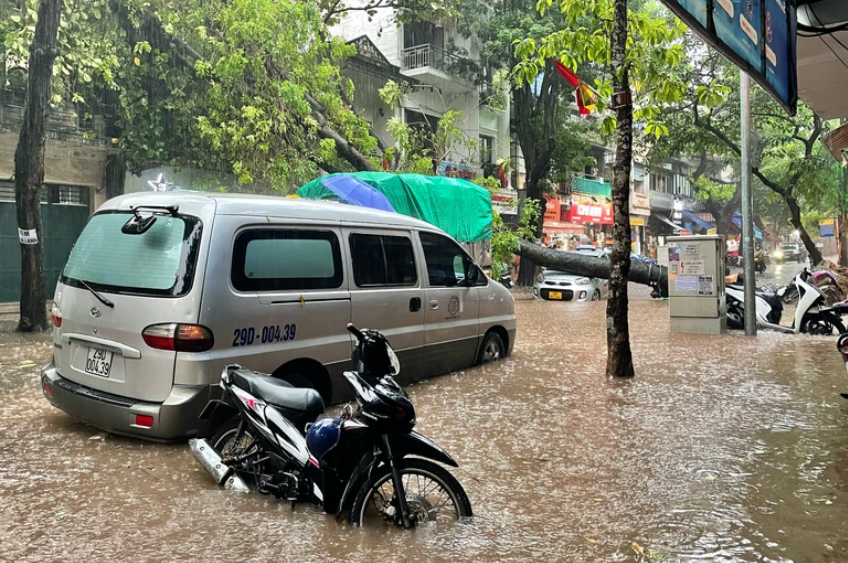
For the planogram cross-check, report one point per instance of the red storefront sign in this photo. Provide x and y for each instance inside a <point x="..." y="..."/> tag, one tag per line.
<point x="552" y="207"/>
<point x="595" y="213"/>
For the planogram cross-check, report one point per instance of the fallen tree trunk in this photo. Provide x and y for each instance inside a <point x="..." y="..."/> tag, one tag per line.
<point x="645" y="273"/>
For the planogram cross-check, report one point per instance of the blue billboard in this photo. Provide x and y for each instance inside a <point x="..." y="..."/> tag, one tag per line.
<point x="756" y="35"/>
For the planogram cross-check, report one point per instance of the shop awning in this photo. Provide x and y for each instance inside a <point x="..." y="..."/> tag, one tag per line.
<point x="737" y="220"/>
<point x="698" y="221"/>
<point x="666" y="220"/>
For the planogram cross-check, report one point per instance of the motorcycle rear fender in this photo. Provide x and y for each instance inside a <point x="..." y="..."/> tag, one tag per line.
<point x="215" y="413"/>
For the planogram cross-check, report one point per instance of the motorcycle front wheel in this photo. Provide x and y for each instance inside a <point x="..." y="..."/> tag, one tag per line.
<point x="432" y="494"/>
<point x="822" y="325"/>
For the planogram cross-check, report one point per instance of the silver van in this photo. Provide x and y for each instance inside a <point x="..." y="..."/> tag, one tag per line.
<point x="162" y="290"/>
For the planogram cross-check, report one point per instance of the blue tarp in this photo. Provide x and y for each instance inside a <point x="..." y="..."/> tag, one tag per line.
<point x="698" y="221"/>
<point x="737" y="220"/>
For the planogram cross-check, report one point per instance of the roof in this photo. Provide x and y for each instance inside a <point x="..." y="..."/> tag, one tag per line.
<point x="263" y="205"/>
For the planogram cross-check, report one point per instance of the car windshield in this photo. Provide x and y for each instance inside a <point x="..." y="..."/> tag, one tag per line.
<point x="159" y="261"/>
<point x="790" y="247"/>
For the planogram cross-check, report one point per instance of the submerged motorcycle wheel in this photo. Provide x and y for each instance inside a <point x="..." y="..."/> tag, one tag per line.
<point x="822" y="325"/>
<point x="432" y="494"/>
<point x="229" y="444"/>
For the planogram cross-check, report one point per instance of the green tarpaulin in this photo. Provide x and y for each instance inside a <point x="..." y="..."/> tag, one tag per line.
<point x="458" y="207"/>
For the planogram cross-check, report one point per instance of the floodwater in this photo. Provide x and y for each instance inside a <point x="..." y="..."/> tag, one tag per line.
<point x="723" y="448"/>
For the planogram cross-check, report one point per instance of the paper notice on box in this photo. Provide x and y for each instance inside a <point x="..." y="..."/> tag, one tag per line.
<point x="28" y="236"/>
<point x="706" y="286"/>
<point x="692" y="267"/>
<point x="686" y="283"/>
<point x="691" y="249"/>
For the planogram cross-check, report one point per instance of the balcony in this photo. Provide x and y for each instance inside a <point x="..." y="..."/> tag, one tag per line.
<point x="435" y="66"/>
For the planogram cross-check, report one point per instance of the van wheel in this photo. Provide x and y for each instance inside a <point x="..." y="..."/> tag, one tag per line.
<point x="297" y="379"/>
<point x="493" y="349"/>
<point x="596" y="296"/>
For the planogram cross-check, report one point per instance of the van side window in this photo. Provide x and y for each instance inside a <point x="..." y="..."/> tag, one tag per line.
<point x="284" y="259"/>
<point x="446" y="261"/>
<point x="382" y="260"/>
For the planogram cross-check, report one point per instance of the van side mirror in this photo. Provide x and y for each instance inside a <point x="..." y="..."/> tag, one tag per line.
<point x="472" y="274"/>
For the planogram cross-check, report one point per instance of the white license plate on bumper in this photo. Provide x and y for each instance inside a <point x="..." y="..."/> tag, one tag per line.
<point x="98" y="362"/>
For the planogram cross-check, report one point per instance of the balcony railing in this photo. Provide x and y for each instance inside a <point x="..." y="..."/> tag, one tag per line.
<point x="427" y="55"/>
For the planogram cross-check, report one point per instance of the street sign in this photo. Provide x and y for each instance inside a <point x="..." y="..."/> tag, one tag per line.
<point x="712" y="231"/>
<point x="826" y="227"/>
<point x="758" y="36"/>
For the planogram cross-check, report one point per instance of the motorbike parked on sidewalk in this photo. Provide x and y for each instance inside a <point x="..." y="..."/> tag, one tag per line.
<point x="842" y="346"/>
<point x="812" y="315"/>
<point x="262" y="432"/>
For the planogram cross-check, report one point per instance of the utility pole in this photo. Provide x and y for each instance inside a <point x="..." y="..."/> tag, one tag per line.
<point x="747" y="209"/>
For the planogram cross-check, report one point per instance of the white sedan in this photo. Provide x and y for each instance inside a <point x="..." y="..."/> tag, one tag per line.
<point x="556" y="285"/>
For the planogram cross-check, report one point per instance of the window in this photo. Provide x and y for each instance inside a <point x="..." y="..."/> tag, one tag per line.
<point x="286" y="259"/>
<point x="382" y="260"/>
<point x="159" y="261"/>
<point x="446" y="261"/>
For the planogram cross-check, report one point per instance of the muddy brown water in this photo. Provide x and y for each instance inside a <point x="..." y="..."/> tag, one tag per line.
<point x="722" y="449"/>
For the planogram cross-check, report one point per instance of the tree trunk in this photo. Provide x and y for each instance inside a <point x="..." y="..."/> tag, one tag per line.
<point x="843" y="238"/>
<point x="795" y="218"/>
<point x="527" y="267"/>
<point x="115" y="175"/>
<point x="619" y="358"/>
<point x="29" y="167"/>
<point x="644" y="273"/>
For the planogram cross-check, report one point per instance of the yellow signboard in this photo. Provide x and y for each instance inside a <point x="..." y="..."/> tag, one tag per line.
<point x="712" y="231"/>
<point x="637" y="222"/>
<point x="826" y="222"/>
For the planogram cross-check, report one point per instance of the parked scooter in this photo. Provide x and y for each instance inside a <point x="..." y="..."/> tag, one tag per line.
<point x="842" y="346"/>
<point x="506" y="280"/>
<point x="355" y="464"/>
<point x="812" y="315"/>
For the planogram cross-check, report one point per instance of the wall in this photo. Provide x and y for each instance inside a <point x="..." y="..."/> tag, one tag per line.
<point x="65" y="162"/>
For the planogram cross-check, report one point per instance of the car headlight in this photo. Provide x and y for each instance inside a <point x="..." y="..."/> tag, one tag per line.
<point x="540" y="278"/>
<point x="582" y="281"/>
<point x="778" y="253"/>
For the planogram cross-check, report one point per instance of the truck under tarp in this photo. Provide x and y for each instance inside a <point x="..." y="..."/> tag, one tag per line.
<point x="460" y="208"/>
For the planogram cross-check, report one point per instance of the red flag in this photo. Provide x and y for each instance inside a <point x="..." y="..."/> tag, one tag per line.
<point x="569" y="76"/>
<point x="585" y="100"/>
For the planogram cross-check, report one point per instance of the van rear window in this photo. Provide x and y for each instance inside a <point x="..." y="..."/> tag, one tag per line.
<point x="160" y="261"/>
<point x="286" y="259"/>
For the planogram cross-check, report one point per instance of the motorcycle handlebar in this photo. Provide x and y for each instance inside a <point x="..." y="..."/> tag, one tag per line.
<point x="354" y="331"/>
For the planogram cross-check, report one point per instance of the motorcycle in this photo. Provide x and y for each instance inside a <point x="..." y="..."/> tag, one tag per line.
<point x="357" y="464"/>
<point x="812" y="315"/>
<point x="825" y="280"/>
<point x="842" y="346"/>
<point x="506" y="280"/>
<point x="760" y="264"/>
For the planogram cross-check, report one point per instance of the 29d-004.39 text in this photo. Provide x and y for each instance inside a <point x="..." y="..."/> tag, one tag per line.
<point x="272" y="333"/>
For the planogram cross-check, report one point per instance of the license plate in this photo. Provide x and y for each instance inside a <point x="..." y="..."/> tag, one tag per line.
<point x="98" y="362"/>
<point x="555" y="295"/>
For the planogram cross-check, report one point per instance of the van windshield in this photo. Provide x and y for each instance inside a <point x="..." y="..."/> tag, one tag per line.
<point x="160" y="261"/>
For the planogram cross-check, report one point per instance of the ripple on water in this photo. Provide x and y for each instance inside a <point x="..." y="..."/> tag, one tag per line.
<point x="721" y="449"/>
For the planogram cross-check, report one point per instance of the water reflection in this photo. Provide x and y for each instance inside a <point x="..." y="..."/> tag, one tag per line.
<point x="721" y="449"/>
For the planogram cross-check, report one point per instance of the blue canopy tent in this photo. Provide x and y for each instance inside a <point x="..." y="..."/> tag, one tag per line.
<point x="356" y="192"/>
<point x="737" y="220"/>
<point x="698" y="221"/>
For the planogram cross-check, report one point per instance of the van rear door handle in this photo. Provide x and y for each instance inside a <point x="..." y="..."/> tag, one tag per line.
<point x="434" y="304"/>
<point x="415" y="304"/>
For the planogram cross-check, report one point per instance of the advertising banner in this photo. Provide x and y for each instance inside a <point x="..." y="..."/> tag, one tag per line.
<point x="595" y="213"/>
<point x="758" y="36"/>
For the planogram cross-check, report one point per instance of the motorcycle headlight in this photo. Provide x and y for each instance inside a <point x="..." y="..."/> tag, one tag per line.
<point x="582" y="281"/>
<point x="778" y="253"/>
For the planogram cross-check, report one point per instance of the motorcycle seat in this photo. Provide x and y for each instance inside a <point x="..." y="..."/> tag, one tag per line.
<point x="278" y="392"/>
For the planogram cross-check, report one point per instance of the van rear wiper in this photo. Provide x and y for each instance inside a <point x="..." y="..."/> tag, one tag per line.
<point x="97" y="295"/>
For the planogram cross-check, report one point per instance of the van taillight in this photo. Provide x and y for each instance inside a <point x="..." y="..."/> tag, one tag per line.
<point x="56" y="314"/>
<point x="178" y="337"/>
